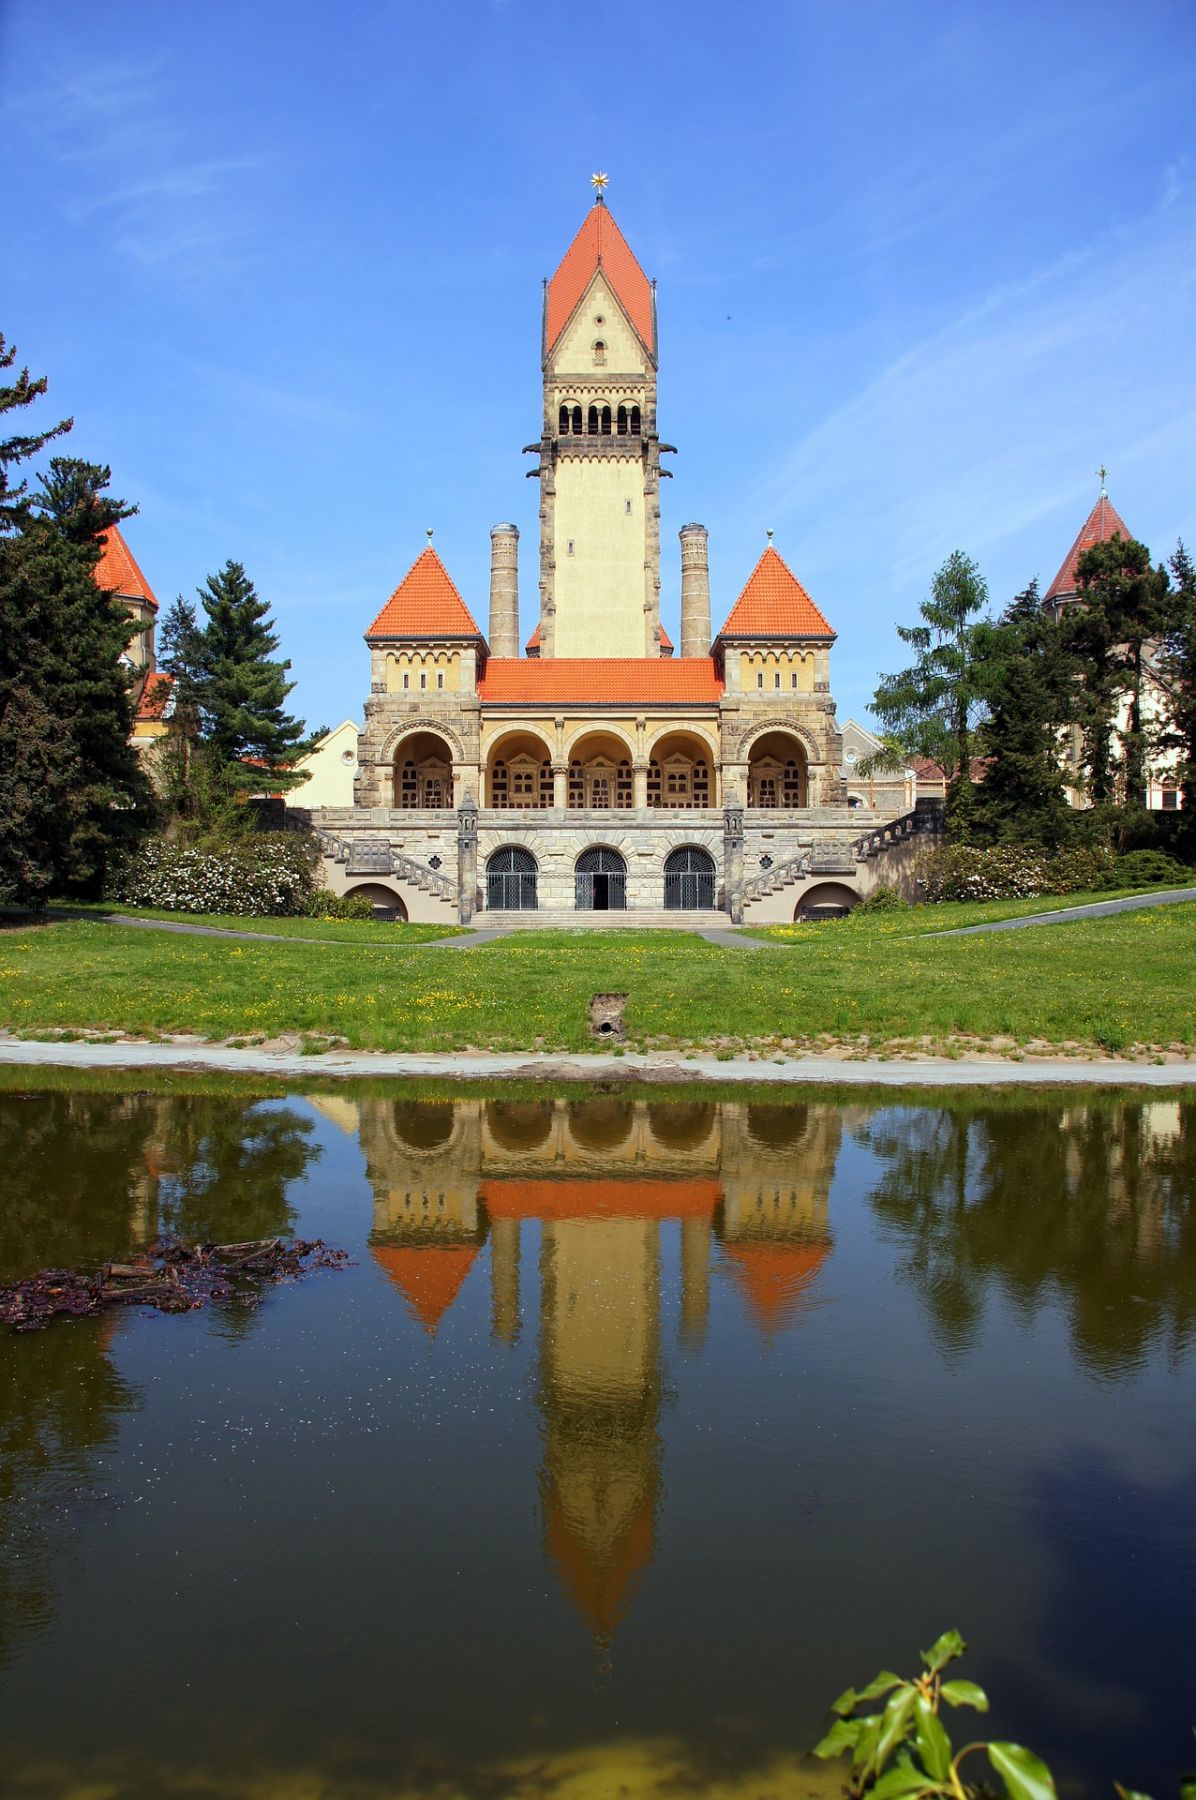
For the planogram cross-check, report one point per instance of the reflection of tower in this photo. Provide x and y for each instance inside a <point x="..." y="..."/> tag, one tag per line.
<point x="600" y="1393"/>
<point x="778" y="1163"/>
<point x="422" y="1161"/>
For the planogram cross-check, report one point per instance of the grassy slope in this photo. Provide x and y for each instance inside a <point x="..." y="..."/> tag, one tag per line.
<point x="1128" y="979"/>
<point x="337" y="931"/>
<point x="946" y="915"/>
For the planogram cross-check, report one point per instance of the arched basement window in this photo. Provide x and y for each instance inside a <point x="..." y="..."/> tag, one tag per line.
<point x="511" y="876"/>
<point x="689" y="880"/>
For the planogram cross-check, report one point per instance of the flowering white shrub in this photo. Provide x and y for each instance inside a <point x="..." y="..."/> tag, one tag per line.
<point x="266" y="876"/>
<point x="1010" y="871"/>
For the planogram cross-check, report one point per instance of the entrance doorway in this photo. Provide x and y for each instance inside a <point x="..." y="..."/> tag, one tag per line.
<point x="600" y="881"/>
<point x="511" y="881"/>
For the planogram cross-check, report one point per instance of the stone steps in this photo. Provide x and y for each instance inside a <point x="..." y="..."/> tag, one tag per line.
<point x="566" y="919"/>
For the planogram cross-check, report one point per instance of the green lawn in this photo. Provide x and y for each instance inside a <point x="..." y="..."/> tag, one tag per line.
<point x="1126" y="980"/>
<point x="338" y="931"/>
<point x="947" y="915"/>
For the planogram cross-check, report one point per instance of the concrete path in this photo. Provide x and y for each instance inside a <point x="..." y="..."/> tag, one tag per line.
<point x="1097" y="909"/>
<point x="633" y="1068"/>
<point x="186" y="929"/>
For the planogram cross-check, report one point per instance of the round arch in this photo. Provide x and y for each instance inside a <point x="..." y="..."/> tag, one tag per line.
<point x="519" y="1124"/>
<point x="424" y="1124"/>
<point x="512" y="876"/>
<point x="690" y="876"/>
<point x="764" y="727"/>
<point x="681" y="1124"/>
<point x="682" y="771"/>
<point x="600" y="771"/>
<point x="387" y="904"/>
<point x="601" y="1124"/>
<point x="778" y="771"/>
<point x="600" y="880"/>
<point x="393" y="744"/>
<point x="423" y="771"/>
<point x="826" y="900"/>
<point x="519" y="771"/>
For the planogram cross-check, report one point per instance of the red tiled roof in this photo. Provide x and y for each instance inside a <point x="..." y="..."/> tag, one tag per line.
<point x="1102" y="523"/>
<point x="429" y="1277"/>
<point x="154" y="695"/>
<point x="774" y="1277"/>
<point x="666" y="642"/>
<point x="117" y="570"/>
<point x="774" y="604"/>
<point x="593" y="1198"/>
<point x="599" y="244"/>
<point x="425" y="604"/>
<point x="600" y="681"/>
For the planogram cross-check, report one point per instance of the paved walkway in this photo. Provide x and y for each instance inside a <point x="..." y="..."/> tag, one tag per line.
<point x="660" y="1066"/>
<point x="1097" y="909"/>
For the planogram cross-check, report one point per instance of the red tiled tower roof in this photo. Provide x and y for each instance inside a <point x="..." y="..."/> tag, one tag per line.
<point x="774" y="1278"/>
<point x="429" y="1277"/>
<point x="774" y="604"/>
<point x="1103" y="522"/>
<point x="599" y="245"/>
<point x="425" y="604"/>
<point x="155" y="694"/>
<point x="600" y="681"/>
<point x="117" y="571"/>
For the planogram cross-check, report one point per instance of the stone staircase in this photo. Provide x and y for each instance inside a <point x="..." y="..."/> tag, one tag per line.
<point x="825" y="860"/>
<point x="361" y="860"/>
<point x="568" y="919"/>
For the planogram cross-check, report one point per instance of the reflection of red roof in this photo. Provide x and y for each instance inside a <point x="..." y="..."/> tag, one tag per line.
<point x="599" y="1585"/>
<point x="775" y="604"/>
<point x="1102" y="523"/>
<point x="599" y="244"/>
<point x="117" y="571"/>
<point x="154" y="696"/>
<point x="601" y="681"/>
<point x="425" y="604"/>
<point x="615" y="1199"/>
<point x="773" y="1277"/>
<point x="429" y="1276"/>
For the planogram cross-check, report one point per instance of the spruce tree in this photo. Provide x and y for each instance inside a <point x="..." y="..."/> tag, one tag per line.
<point x="1027" y="679"/>
<point x="14" y="502"/>
<point x="1125" y="605"/>
<point x="933" y="707"/>
<point x="242" y="688"/>
<point x="1177" y="665"/>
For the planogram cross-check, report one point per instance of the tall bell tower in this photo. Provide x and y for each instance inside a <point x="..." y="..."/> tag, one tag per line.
<point x="599" y="451"/>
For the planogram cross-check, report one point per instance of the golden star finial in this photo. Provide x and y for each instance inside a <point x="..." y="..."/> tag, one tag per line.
<point x="598" y="181"/>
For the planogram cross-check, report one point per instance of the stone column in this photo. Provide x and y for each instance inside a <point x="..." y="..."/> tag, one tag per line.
<point x="639" y="786"/>
<point x="733" y="857"/>
<point x="560" y="786"/>
<point x="695" y="592"/>
<point x="467" y="858"/>
<point x="504" y="1280"/>
<point x="504" y="590"/>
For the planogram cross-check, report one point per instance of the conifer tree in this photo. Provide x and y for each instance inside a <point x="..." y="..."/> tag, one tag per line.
<point x="934" y="706"/>
<point x="14" y="503"/>
<point x="72" y="790"/>
<point x="1028" y="682"/>
<point x="241" y="689"/>
<point x="1125" y="604"/>
<point x="1178" y="668"/>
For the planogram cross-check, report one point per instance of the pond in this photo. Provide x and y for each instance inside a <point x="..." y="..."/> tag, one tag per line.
<point x="635" y="1431"/>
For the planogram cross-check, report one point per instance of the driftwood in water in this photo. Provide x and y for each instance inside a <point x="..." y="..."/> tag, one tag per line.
<point x="170" y="1276"/>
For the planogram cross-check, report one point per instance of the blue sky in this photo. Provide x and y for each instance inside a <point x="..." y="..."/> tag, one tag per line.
<point x="922" y="267"/>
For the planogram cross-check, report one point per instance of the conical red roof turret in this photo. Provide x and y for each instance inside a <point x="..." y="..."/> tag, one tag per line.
<point x="425" y="604"/>
<point x="117" y="572"/>
<point x="599" y="245"/>
<point x="774" y="604"/>
<point x="1103" y="522"/>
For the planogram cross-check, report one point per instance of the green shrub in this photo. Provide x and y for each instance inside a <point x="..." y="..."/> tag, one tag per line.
<point x="1146" y="868"/>
<point x="269" y="875"/>
<point x="324" y="904"/>
<point x="881" y="899"/>
<point x="1011" y="871"/>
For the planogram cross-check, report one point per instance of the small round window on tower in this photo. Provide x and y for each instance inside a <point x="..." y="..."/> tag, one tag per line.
<point x="598" y="319"/>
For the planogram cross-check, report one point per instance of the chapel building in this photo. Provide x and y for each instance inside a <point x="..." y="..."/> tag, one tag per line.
<point x="604" y="774"/>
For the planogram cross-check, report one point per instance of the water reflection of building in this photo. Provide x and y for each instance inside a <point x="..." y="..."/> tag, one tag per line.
<point x="597" y="1180"/>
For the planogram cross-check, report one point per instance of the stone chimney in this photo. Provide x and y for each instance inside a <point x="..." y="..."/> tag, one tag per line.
<point x="695" y="592"/>
<point x="504" y="590"/>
